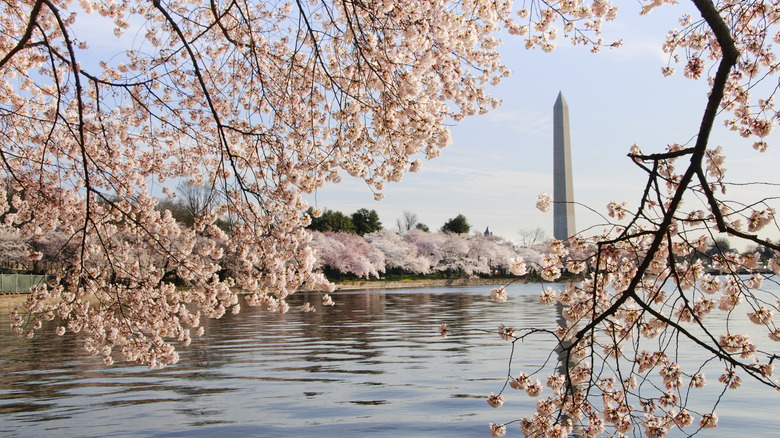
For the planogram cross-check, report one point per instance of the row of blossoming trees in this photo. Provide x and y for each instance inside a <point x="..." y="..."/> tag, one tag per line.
<point x="416" y="252"/>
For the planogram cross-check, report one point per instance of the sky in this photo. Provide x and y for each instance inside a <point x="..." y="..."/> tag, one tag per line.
<point x="498" y="163"/>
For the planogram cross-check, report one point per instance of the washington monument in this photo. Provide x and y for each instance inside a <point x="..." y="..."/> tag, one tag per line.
<point x="563" y="194"/>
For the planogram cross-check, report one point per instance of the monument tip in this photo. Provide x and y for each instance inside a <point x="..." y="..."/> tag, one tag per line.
<point x="560" y="101"/>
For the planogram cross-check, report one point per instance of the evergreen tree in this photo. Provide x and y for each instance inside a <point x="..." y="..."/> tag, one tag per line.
<point x="458" y="225"/>
<point x="366" y="221"/>
<point x="331" y="220"/>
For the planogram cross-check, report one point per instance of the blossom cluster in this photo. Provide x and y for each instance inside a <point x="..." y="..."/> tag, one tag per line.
<point x="641" y="288"/>
<point x="695" y="44"/>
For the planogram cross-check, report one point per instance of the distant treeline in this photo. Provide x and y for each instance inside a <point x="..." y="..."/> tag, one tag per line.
<point x="366" y="221"/>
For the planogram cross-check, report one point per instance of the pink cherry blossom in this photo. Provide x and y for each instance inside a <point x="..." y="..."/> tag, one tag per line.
<point x="709" y="421"/>
<point x="543" y="202"/>
<point x="506" y="333"/>
<point x="497" y="430"/>
<point x="443" y="330"/>
<point x="495" y="401"/>
<point x="520" y="382"/>
<point x="498" y="295"/>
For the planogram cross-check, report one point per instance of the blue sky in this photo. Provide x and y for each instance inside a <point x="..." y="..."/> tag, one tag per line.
<point x="499" y="162"/>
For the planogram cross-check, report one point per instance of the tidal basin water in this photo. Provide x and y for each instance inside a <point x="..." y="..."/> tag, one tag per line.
<point x="373" y="365"/>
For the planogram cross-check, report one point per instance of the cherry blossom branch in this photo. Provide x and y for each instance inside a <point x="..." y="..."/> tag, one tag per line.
<point x="729" y="59"/>
<point x="25" y="38"/>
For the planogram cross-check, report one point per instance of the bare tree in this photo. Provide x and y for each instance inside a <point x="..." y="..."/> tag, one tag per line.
<point x="530" y="237"/>
<point x="197" y="199"/>
<point x="408" y="221"/>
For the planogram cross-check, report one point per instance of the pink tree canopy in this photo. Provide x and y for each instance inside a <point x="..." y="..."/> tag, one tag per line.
<point x="398" y="253"/>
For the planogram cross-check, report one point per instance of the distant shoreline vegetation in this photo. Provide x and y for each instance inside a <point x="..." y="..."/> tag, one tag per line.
<point x="392" y="281"/>
<point x="342" y="256"/>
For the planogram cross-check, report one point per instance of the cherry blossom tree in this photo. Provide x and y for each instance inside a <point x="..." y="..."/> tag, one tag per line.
<point x="463" y="254"/>
<point x="16" y="252"/>
<point x="326" y="249"/>
<point x="497" y="254"/>
<point x="259" y="102"/>
<point x="533" y="255"/>
<point x="398" y="253"/>
<point x="347" y="253"/>
<point x="648" y="327"/>
<point x="454" y="250"/>
<point x="427" y="245"/>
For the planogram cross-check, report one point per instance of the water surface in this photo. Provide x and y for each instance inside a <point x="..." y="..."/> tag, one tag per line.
<point x="372" y="365"/>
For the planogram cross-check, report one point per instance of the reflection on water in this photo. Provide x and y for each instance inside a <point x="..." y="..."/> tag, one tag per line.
<point x="373" y="365"/>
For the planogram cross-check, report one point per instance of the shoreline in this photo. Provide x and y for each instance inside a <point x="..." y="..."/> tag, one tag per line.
<point x="403" y="284"/>
<point x="9" y="300"/>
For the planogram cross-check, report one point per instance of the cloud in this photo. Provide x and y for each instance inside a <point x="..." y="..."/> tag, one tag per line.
<point x="522" y="120"/>
<point x="646" y="48"/>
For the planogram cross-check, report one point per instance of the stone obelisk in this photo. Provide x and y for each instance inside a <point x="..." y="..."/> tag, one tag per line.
<point x="563" y="203"/>
<point x="563" y="194"/>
